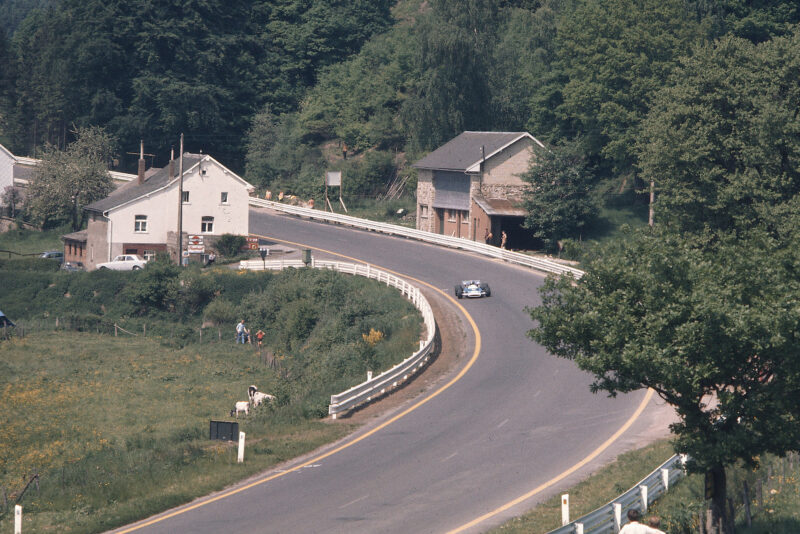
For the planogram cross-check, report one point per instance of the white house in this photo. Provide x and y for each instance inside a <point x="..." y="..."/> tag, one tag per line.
<point x="141" y="217"/>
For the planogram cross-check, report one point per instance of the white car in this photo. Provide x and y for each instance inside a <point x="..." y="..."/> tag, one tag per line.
<point x="124" y="262"/>
<point x="473" y="289"/>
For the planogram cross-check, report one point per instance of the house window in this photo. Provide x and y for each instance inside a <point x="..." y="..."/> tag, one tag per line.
<point x="451" y="215"/>
<point x="185" y="197"/>
<point x="207" y="225"/>
<point x="140" y="224"/>
<point x="423" y="212"/>
<point x="223" y="197"/>
<point x="149" y="254"/>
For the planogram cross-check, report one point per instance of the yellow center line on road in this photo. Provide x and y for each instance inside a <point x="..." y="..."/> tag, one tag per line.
<point x="594" y="454"/>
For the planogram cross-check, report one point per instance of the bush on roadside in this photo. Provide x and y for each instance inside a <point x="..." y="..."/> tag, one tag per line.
<point x="230" y="245"/>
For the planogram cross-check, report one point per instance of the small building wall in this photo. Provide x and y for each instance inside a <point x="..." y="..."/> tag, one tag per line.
<point x="506" y="167"/>
<point x="74" y="250"/>
<point x="97" y="249"/>
<point x="425" y="213"/>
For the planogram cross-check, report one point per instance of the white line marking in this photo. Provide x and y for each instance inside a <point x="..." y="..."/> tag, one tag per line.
<point x="503" y="423"/>
<point x="451" y="456"/>
<point x="353" y="502"/>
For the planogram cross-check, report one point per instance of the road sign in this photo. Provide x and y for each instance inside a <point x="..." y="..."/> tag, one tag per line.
<point x="196" y="249"/>
<point x="195" y="240"/>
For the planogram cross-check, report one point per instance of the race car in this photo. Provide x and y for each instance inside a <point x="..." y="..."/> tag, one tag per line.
<point x="473" y="289"/>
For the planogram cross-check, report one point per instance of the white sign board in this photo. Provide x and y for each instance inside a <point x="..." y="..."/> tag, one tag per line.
<point x="196" y="249"/>
<point x="333" y="178"/>
<point x="195" y="240"/>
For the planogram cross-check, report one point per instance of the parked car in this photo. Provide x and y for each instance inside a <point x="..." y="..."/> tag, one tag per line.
<point x="473" y="289"/>
<point x="73" y="266"/>
<point x="124" y="262"/>
<point x="53" y="255"/>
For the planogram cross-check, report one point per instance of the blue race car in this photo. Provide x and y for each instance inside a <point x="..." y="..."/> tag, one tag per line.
<point x="473" y="289"/>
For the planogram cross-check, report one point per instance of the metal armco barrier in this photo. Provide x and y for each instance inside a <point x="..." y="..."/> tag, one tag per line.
<point x="540" y="264"/>
<point x="608" y="518"/>
<point x="387" y="380"/>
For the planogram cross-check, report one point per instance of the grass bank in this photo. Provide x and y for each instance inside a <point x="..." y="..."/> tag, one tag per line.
<point x="773" y="491"/>
<point x="118" y="429"/>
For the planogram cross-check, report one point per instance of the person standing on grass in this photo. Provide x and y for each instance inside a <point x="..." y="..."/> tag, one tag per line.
<point x="259" y="337"/>
<point x="241" y="332"/>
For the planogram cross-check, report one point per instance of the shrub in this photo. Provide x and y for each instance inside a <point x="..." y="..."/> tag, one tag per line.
<point x="220" y="312"/>
<point x="230" y="245"/>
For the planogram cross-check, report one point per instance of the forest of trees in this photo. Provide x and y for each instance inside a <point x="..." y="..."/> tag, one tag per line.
<point x="264" y="85"/>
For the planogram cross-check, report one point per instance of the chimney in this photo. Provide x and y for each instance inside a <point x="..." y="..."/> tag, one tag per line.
<point x="140" y="177"/>
<point x="171" y="164"/>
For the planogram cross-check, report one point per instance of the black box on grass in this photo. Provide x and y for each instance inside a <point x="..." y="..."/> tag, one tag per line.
<point x="223" y="430"/>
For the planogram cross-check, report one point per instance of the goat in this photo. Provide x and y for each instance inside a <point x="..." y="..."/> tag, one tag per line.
<point x="241" y="406"/>
<point x="259" y="397"/>
<point x="252" y="390"/>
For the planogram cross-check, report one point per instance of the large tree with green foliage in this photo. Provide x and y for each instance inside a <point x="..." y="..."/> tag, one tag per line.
<point x="67" y="180"/>
<point x="612" y="55"/>
<point x="722" y="142"/>
<point x="558" y="202"/>
<point x="715" y="332"/>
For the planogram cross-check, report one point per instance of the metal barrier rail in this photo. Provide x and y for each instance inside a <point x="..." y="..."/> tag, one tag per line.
<point x="540" y="264"/>
<point x="608" y="518"/>
<point x="377" y="385"/>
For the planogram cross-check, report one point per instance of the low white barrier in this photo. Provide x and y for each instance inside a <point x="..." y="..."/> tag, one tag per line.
<point x="609" y="518"/>
<point x="540" y="264"/>
<point x="377" y="385"/>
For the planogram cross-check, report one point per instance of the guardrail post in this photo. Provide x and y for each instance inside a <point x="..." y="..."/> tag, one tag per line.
<point x="617" y="516"/>
<point x="17" y="519"/>
<point x="643" y="491"/>
<point x="564" y="509"/>
<point x="578" y="528"/>
<point x="369" y="376"/>
<point x="665" y="478"/>
<point x="240" y="458"/>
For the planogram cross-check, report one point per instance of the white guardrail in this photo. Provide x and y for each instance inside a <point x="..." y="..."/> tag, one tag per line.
<point x="378" y="385"/>
<point x="541" y="264"/>
<point x="608" y="519"/>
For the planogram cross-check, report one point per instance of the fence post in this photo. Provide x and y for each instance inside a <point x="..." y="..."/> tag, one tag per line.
<point x="617" y="516"/>
<point x="643" y="492"/>
<point x="578" y="528"/>
<point x="564" y="509"/>
<point x="665" y="478"/>
<point x="240" y="458"/>
<point x="746" y="501"/>
<point x="115" y="329"/>
<point x="17" y="519"/>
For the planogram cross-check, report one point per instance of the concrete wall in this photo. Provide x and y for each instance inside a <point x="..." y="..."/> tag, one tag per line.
<point x="97" y="250"/>
<point x="506" y="167"/>
<point x="6" y="169"/>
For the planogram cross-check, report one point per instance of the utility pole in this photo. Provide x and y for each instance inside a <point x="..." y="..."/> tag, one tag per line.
<point x="180" y="206"/>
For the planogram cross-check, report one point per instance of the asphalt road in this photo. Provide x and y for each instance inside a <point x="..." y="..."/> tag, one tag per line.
<point x="515" y="421"/>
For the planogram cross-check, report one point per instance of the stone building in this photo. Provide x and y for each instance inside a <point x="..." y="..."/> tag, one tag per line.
<point x="471" y="187"/>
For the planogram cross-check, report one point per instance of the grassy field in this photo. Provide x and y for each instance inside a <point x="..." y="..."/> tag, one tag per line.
<point x="117" y="429"/>
<point x="31" y="241"/>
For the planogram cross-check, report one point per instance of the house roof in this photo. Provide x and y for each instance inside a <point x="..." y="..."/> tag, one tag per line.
<point x="465" y="152"/>
<point x="154" y="180"/>
<point x="81" y="236"/>
<point x="133" y="189"/>
<point x="499" y="206"/>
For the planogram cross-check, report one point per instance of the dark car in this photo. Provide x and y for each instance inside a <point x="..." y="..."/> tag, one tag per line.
<point x="53" y="255"/>
<point x="73" y="266"/>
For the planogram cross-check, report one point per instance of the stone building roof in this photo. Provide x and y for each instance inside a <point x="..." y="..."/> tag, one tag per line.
<point x="465" y="152"/>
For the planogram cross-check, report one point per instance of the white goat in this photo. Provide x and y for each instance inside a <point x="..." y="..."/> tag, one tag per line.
<point x="259" y="397"/>
<point x="241" y="406"/>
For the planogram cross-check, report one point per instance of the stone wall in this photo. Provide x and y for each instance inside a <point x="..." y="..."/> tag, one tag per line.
<point x="425" y="192"/>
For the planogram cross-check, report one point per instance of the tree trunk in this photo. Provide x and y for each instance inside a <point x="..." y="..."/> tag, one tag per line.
<point x="722" y="521"/>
